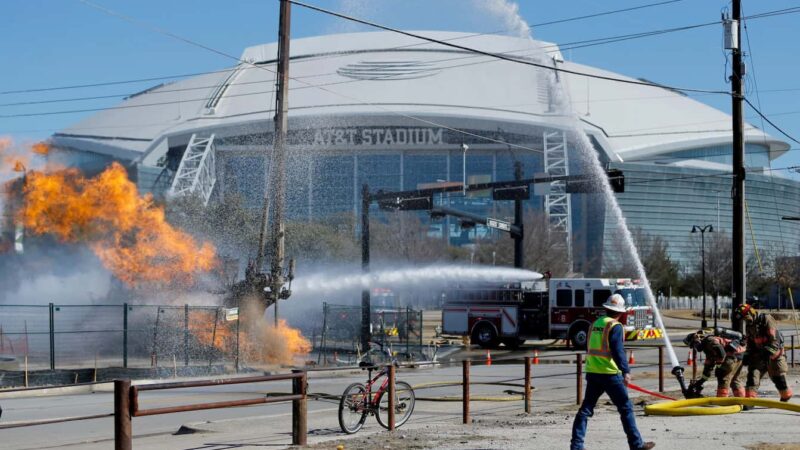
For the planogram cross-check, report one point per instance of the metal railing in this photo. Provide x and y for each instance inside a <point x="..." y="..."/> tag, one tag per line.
<point x="126" y="403"/>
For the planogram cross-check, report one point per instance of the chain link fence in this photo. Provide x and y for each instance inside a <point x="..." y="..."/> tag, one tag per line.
<point x="59" y="337"/>
<point x="398" y="328"/>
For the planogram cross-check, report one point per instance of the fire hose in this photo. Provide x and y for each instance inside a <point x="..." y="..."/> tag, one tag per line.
<point x="726" y="405"/>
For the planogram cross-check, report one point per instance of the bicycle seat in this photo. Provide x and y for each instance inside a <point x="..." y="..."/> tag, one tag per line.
<point x="365" y="364"/>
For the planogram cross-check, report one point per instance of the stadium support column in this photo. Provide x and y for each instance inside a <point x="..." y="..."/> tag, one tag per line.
<point x="519" y="254"/>
<point x="739" y="289"/>
<point x="365" y="298"/>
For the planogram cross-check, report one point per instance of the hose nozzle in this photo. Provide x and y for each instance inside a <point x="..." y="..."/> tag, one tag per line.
<point x="678" y="372"/>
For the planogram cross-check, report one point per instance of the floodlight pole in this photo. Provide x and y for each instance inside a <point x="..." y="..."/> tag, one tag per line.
<point x="739" y="289"/>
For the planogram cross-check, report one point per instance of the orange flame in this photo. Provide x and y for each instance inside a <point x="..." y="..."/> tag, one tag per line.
<point x="40" y="148"/>
<point x="259" y="342"/>
<point x="125" y="230"/>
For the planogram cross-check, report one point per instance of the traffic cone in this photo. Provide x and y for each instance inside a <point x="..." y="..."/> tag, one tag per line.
<point x="488" y="358"/>
<point x="536" y="356"/>
<point x="631" y="359"/>
<point x="689" y="361"/>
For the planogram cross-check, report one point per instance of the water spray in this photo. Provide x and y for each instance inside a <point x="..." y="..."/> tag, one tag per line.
<point x="509" y="12"/>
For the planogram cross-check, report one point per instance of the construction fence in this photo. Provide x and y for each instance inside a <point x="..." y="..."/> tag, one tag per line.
<point x="399" y="329"/>
<point x="54" y="336"/>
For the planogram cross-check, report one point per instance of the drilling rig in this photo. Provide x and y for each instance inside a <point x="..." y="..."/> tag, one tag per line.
<point x="259" y="286"/>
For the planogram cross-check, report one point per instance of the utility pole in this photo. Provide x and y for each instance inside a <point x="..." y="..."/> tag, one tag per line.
<point x="365" y="293"/>
<point x="519" y="256"/>
<point x="278" y="175"/>
<point x="739" y="289"/>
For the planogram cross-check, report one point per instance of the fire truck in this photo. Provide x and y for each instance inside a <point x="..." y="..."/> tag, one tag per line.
<point x="564" y="308"/>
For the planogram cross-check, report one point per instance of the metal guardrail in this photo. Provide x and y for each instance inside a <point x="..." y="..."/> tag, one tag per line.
<point x="126" y="403"/>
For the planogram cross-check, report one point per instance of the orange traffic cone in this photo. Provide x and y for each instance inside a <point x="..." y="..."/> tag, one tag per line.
<point x="536" y="356"/>
<point x="689" y="361"/>
<point x="488" y="358"/>
<point x="631" y="359"/>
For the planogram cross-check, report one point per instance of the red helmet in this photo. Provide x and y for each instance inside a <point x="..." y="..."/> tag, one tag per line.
<point x="745" y="310"/>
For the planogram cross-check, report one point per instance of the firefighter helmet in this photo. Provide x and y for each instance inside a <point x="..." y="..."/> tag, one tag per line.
<point x="615" y="303"/>
<point x="744" y="310"/>
<point x="694" y="340"/>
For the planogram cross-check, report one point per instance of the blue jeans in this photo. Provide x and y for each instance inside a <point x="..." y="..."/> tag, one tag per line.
<point x="596" y="385"/>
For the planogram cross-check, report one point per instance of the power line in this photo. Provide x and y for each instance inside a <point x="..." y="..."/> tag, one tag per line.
<point x="787" y="135"/>
<point x="605" y="13"/>
<point x="496" y="55"/>
<point x="563" y="46"/>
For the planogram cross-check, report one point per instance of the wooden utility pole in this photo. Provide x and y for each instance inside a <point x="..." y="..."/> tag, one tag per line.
<point x="278" y="171"/>
<point x="366" y="307"/>
<point x="739" y="289"/>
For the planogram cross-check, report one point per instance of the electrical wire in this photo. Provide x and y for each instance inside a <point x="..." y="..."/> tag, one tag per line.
<point x="771" y="173"/>
<point x="496" y="55"/>
<point x="780" y="130"/>
<point x="167" y="77"/>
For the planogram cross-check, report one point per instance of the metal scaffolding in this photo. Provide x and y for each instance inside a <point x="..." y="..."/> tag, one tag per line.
<point x="557" y="202"/>
<point x="197" y="171"/>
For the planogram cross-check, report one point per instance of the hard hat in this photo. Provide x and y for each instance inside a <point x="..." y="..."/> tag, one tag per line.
<point x="615" y="303"/>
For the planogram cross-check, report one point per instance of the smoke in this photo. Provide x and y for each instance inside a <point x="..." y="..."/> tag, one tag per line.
<point x="68" y="276"/>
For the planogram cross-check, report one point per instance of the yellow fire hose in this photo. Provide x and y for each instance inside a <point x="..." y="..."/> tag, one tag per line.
<point x="699" y="406"/>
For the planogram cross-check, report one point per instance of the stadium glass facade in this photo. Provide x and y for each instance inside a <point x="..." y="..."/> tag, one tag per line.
<point x="660" y="198"/>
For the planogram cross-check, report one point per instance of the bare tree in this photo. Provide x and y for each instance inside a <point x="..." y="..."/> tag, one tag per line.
<point x="719" y="264"/>
<point x="661" y="271"/>
<point x="544" y="247"/>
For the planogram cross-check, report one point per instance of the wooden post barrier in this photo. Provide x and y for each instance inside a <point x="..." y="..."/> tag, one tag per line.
<point x="123" y="437"/>
<point x="660" y="368"/>
<point x="299" y="409"/>
<point x="579" y="372"/>
<point x="391" y="397"/>
<point x="527" y="384"/>
<point x="465" y="391"/>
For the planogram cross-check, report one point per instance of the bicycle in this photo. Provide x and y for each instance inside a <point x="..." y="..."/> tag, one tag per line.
<point x="358" y="401"/>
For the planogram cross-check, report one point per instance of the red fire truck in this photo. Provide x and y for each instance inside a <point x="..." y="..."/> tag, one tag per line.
<point x="563" y="308"/>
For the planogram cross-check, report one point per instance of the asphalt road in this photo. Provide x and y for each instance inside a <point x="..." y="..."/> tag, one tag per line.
<point x="555" y="386"/>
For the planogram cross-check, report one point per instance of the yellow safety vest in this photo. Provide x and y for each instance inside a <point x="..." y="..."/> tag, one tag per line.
<point x="599" y="359"/>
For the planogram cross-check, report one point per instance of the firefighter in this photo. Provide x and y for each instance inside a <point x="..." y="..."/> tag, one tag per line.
<point x="724" y="354"/>
<point x="765" y="353"/>
<point x="607" y="372"/>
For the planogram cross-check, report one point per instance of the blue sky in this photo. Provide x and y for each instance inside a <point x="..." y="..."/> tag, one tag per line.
<point x="51" y="43"/>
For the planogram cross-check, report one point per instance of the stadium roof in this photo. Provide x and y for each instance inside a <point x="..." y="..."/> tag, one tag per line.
<point x="383" y="76"/>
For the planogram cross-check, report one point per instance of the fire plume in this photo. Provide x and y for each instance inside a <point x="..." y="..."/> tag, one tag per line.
<point x="127" y="232"/>
<point x="259" y="342"/>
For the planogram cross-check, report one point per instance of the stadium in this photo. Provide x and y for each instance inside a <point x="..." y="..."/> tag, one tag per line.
<point x="397" y="113"/>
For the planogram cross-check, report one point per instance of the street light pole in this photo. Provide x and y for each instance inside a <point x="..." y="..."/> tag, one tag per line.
<point x="702" y="230"/>
<point x="464" y="148"/>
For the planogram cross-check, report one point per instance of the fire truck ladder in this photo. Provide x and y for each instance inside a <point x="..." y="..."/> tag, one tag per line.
<point x="196" y="173"/>
<point x="557" y="202"/>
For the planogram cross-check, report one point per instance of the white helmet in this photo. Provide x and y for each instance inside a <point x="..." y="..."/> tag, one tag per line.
<point x="615" y="303"/>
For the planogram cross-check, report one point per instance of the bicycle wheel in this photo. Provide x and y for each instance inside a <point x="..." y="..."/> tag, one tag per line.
<point x="353" y="408"/>
<point x="403" y="405"/>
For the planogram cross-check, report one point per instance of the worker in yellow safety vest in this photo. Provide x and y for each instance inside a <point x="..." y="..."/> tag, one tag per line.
<point x="607" y="372"/>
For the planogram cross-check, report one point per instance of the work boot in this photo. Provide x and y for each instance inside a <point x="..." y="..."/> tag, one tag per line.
<point x="647" y="446"/>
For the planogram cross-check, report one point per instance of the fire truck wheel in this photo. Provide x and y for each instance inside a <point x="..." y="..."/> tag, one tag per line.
<point x="579" y="335"/>
<point x="485" y="336"/>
